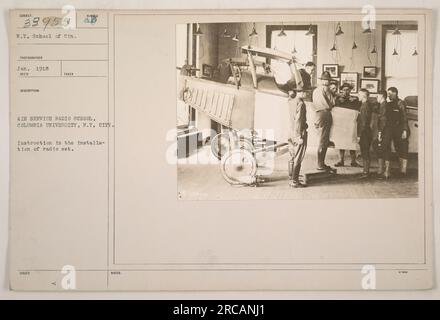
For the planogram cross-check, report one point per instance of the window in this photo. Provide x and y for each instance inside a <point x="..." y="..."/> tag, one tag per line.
<point x="400" y="70"/>
<point x="295" y="39"/>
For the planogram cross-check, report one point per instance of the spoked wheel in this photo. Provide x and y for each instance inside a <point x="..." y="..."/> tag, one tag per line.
<point x="239" y="167"/>
<point x="225" y="142"/>
<point x="221" y="144"/>
<point x="246" y="144"/>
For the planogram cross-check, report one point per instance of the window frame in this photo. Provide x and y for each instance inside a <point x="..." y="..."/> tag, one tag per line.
<point x="385" y="29"/>
<point x="290" y="27"/>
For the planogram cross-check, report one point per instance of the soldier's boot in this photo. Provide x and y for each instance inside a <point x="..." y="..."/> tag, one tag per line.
<point x="290" y="168"/>
<point x="327" y="167"/>
<point x="386" y="173"/>
<point x="353" y="163"/>
<point x="294" y="176"/>
<point x="366" y="171"/>
<point x="380" y="162"/>
<point x="340" y="163"/>
<point x="295" y="183"/>
<point x="403" y="166"/>
<point x="381" y="169"/>
<point x="320" y="160"/>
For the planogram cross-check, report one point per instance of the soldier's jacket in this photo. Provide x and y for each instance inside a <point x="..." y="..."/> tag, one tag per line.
<point x="382" y="119"/>
<point x="364" y="119"/>
<point x="349" y="102"/>
<point x="297" y="118"/>
<point x="371" y="116"/>
<point x="323" y="98"/>
<point x="393" y="115"/>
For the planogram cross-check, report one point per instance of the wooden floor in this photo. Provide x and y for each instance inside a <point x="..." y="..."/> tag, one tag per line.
<point x="203" y="181"/>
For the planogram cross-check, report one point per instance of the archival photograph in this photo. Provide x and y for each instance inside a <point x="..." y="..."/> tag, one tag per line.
<point x="221" y="150"/>
<point x="281" y="110"/>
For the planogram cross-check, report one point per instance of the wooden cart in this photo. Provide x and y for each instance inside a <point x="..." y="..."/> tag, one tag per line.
<point x="254" y="116"/>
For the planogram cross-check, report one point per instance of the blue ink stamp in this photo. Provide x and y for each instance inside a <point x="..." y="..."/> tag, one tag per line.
<point x="91" y="18"/>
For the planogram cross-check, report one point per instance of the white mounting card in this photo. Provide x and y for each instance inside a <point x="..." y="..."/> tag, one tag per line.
<point x="106" y="193"/>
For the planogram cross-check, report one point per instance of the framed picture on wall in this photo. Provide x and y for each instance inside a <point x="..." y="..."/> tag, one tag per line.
<point x="207" y="71"/>
<point x="351" y="78"/>
<point x="332" y="68"/>
<point x="372" y="85"/>
<point x="370" y="72"/>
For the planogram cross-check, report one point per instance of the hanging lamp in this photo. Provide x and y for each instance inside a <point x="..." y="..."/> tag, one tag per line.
<point x="282" y="33"/>
<point x="368" y="30"/>
<point x="396" y="30"/>
<point x="354" y="46"/>
<point x="415" y="53"/>
<point x="310" y="32"/>
<point x="226" y="34"/>
<point x="198" y="31"/>
<point x="339" y="31"/>
<point x="253" y="32"/>
<point x="396" y="33"/>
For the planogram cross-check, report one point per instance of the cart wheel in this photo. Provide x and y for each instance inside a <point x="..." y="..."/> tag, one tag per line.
<point x="220" y="145"/>
<point x="247" y="145"/>
<point x="239" y="167"/>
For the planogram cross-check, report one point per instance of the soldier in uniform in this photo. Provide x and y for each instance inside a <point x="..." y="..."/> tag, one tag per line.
<point x="298" y="135"/>
<point x="304" y="77"/>
<point x="381" y="122"/>
<point x="396" y="130"/>
<point x="306" y="74"/>
<point x="364" y="129"/>
<point x="324" y="101"/>
<point x="345" y="100"/>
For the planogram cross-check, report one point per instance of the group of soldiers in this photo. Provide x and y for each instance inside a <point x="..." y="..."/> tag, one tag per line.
<point x="391" y="121"/>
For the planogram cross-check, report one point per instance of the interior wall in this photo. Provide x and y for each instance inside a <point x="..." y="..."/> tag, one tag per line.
<point x="208" y="46"/>
<point x="324" y="43"/>
<point x="348" y="60"/>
